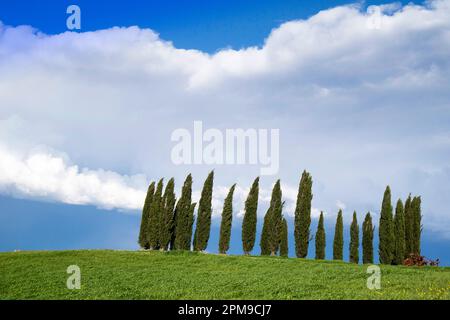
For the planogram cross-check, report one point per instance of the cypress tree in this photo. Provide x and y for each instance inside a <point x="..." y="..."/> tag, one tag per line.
<point x="225" y="225"/>
<point x="320" y="239"/>
<point x="250" y="217"/>
<point x="202" y="230"/>
<point x="354" y="240"/>
<point x="417" y="223"/>
<point x="408" y="228"/>
<point x="386" y="231"/>
<point x="184" y="217"/>
<point x="270" y="239"/>
<point x="284" y="249"/>
<point x="338" y="243"/>
<point x="167" y="210"/>
<point x="303" y="215"/>
<point x="154" y="223"/>
<point x="276" y="218"/>
<point x="143" y="232"/>
<point x="399" y="226"/>
<point x="368" y="230"/>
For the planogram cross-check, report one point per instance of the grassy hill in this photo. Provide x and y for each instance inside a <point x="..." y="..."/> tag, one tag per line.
<point x="187" y="275"/>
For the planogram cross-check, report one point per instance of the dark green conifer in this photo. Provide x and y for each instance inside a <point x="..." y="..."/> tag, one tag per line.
<point x="409" y="235"/>
<point x="276" y="218"/>
<point x="320" y="239"/>
<point x="417" y="223"/>
<point x="154" y="221"/>
<point x="250" y="218"/>
<point x="386" y="231"/>
<point x="399" y="227"/>
<point x="303" y="215"/>
<point x="184" y="217"/>
<point x="143" y="232"/>
<point x="270" y="238"/>
<point x="354" y="240"/>
<point x="225" y="225"/>
<point x="167" y="210"/>
<point x="338" y="243"/>
<point x="368" y="230"/>
<point x="202" y="230"/>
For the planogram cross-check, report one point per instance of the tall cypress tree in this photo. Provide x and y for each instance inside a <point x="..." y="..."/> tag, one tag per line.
<point x="250" y="217"/>
<point x="368" y="230"/>
<point x="354" y="240"/>
<point x="276" y="217"/>
<point x="417" y="223"/>
<point x="409" y="236"/>
<point x="202" y="230"/>
<point x="270" y="238"/>
<point x="167" y="210"/>
<point x="320" y="239"/>
<point x="184" y="217"/>
<point x="284" y="249"/>
<point x="399" y="226"/>
<point x="225" y="225"/>
<point x="386" y="231"/>
<point x="303" y="215"/>
<point x="143" y="232"/>
<point x="154" y="221"/>
<point x="338" y="243"/>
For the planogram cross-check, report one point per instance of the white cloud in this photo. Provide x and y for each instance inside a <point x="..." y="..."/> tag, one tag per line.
<point x="359" y="107"/>
<point x="42" y="174"/>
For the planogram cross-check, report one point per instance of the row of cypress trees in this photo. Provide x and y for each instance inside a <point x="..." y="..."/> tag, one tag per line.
<point x="400" y="233"/>
<point x="167" y="224"/>
<point x="338" y="241"/>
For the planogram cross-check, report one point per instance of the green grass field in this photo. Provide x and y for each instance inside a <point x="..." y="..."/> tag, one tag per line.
<point x="187" y="275"/>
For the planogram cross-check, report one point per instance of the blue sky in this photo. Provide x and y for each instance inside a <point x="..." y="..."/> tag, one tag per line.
<point x="358" y="108"/>
<point x="204" y="25"/>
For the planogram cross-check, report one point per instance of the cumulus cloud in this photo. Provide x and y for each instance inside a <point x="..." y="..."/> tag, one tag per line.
<point x="42" y="174"/>
<point x="361" y="100"/>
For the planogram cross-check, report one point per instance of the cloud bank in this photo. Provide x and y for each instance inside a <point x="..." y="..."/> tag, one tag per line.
<point x="361" y="100"/>
<point x="41" y="174"/>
